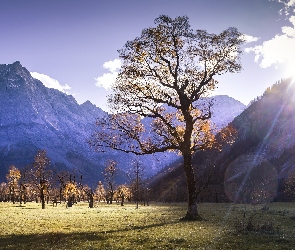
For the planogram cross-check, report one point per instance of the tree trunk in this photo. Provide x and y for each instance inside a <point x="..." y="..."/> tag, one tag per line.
<point x="192" y="211"/>
<point x="20" y="195"/>
<point x="91" y="201"/>
<point x="60" y="195"/>
<point x="42" y="197"/>
<point x="12" y="196"/>
<point x="70" y="201"/>
<point x="122" y="201"/>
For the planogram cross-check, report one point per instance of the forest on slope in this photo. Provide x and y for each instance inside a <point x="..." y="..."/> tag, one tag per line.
<point x="255" y="168"/>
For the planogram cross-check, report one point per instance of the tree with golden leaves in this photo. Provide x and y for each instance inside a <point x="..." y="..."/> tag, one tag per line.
<point x="110" y="173"/>
<point x="70" y="191"/>
<point x="13" y="177"/>
<point x="165" y="72"/>
<point x="123" y="192"/>
<point x="61" y="178"/>
<point x="100" y="192"/>
<point x="40" y="176"/>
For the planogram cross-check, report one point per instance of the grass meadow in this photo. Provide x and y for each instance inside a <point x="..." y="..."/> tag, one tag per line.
<point x="158" y="226"/>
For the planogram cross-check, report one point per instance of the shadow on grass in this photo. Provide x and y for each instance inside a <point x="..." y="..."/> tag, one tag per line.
<point x="25" y="207"/>
<point x="102" y="239"/>
<point x="65" y="240"/>
<point x="48" y="241"/>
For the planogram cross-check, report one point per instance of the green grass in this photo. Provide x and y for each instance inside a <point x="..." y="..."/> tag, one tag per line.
<point x="152" y="227"/>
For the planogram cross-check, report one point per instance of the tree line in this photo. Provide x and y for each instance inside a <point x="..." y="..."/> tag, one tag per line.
<point x="40" y="182"/>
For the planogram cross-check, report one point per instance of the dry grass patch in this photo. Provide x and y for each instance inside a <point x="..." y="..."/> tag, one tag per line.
<point x="151" y="227"/>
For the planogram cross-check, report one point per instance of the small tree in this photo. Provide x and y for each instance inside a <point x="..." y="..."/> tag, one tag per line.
<point x="289" y="189"/>
<point x="13" y="177"/>
<point x="24" y="185"/>
<point x="61" y="179"/>
<point x="3" y="191"/>
<point x="165" y="71"/>
<point x="100" y="192"/>
<point x="90" y="196"/>
<point x="85" y="190"/>
<point x="110" y="173"/>
<point x="136" y="175"/>
<point x="40" y="176"/>
<point x="70" y="191"/>
<point x="123" y="192"/>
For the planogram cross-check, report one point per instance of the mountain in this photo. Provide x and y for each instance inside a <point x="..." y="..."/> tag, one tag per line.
<point x="255" y="167"/>
<point x="224" y="110"/>
<point x="34" y="117"/>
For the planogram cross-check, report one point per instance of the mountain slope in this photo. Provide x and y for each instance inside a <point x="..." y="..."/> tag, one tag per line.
<point x="253" y="169"/>
<point x="34" y="117"/>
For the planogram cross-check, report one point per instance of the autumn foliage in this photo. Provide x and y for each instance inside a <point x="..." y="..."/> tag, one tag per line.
<point x="166" y="73"/>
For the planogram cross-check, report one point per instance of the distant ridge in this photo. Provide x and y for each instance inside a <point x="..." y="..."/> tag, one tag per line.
<point x="34" y="117"/>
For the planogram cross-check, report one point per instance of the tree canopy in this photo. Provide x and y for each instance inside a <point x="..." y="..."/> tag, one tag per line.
<point x="166" y="73"/>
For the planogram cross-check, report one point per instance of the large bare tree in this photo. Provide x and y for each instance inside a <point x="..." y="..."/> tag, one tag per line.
<point x="164" y="72"/>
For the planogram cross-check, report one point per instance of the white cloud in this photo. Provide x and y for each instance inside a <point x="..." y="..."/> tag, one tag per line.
<point x="278" y="50"/>
<point x="289" y="31"/>
<point x="50" y="82"/>
<point x="289" y="6"/>
<point x="291" y="3"/>
<point x="287" y="2"/>
<point x="249" y="39"/>
<point x="107" y="79"/>
<point x="112" y="66"/>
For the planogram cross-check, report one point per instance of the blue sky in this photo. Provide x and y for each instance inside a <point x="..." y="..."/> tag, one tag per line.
<point x="72" y="44"/>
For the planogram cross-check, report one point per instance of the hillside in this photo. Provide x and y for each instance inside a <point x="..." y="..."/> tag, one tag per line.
<point x="254" y="168"/>
<point x="34" y="117"/>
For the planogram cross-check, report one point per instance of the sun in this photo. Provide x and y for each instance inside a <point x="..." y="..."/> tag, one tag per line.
<point x="290" y="70"/>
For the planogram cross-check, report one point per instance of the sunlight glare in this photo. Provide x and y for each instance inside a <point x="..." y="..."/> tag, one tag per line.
<point x="290" y="70"/>
<point x="251" y="179"/>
